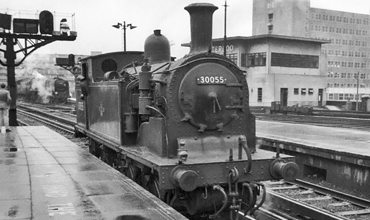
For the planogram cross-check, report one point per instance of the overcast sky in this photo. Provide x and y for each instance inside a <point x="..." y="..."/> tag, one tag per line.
<point x="93" y="20"/>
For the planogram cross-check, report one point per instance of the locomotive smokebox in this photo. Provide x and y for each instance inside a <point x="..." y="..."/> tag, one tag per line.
<point x="201" y="26"/>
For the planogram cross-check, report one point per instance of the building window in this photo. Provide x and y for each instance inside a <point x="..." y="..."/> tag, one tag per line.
<point x="366" y="21"/>
<point x="270" y="5"/>
<point x="270" y="16"/>
<point x="270" y="28"/>
<point x="331" y="96"/>
<point x="296" y="91"/>
<point x="256" y="59"/>
<point x="310" y="91"/>
<point x="343" y="75"/>
<point x="341" y="96"/>
<point x="294" y="60"/>
<point x="303" y="91"/>
<point x="259" y="95"/>
<point x="233" y="57"/>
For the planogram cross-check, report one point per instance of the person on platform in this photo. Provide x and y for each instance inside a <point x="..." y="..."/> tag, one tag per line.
<point x="5" y="100"/>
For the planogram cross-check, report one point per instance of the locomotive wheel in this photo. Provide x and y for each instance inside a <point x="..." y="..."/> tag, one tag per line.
<point x="94" y="148"/>
<point x="133" y="173"/>
<point x="153" y="185"/>
<point x="107" y="156"/>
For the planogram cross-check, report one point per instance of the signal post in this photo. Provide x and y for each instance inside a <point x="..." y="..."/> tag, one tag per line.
<point x="28" y="37"/>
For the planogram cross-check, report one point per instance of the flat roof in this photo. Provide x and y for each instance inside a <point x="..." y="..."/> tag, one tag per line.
<point x="275" y="36"/>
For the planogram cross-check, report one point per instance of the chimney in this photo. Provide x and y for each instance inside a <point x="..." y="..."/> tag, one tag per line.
<point x="201" y="26"/>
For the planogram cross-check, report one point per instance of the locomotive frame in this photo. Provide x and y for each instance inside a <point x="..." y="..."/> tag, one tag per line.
<point x="180" y="136"/>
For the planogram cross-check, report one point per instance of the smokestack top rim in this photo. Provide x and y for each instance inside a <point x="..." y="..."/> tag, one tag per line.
<point x="203" y="5"/>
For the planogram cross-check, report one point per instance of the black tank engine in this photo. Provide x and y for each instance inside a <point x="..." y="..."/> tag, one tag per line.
<point x="182" y="129"/>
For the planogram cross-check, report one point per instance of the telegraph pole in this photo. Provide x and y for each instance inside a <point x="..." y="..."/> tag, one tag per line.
<point x="225" y="30"/>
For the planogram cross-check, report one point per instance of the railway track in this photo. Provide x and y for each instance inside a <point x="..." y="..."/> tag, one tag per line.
<point x="57" y="120"/>
<point x="304" y="200"/>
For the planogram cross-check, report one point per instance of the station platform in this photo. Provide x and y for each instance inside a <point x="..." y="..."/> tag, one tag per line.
<point x="339" y="156"/>
<point x="46" y="176"/>
<point x="340" y="140"/>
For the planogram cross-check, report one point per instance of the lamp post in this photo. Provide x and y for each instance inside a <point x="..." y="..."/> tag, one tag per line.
<point x="357" y="77"/>
<point x="124" y="26"/>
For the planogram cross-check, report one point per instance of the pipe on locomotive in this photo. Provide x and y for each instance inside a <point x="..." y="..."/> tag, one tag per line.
<point x="201" y="26"/>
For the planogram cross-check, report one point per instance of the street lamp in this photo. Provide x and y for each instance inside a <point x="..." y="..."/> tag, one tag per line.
<point x="357" y="77"/>
<point x="124" y="26"/>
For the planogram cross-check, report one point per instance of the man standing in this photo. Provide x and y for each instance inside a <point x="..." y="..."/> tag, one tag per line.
<point x="5" y="100"/>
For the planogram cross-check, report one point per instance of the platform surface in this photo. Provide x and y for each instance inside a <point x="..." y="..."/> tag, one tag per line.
<point x="46" y="176"/>
<point x="337" y="139"/>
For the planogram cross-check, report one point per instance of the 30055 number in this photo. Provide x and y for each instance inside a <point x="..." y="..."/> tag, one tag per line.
<point x="211" y="80"/>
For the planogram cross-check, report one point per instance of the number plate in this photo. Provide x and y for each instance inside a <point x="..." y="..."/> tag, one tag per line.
<point x="211" y="80"/>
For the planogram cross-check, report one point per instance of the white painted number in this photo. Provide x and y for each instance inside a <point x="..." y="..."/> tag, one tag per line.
<point x="211" y="80"/>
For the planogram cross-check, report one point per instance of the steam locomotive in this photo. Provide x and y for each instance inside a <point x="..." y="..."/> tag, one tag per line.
<point x="43" y="90"/>
<point x="181" y="129"/>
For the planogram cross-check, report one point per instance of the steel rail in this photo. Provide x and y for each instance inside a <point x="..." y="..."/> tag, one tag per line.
<point x="60" y="126"/>
<point x="359" y="205"/>
<point x="45" y="114"/>
<point x="334" y="193"/>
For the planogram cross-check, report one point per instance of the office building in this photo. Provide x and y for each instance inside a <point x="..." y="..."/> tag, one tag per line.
<point x="348" y="53"/>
